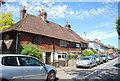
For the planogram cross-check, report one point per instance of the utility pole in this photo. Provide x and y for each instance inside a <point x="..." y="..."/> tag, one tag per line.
<point x="84" y="35"/>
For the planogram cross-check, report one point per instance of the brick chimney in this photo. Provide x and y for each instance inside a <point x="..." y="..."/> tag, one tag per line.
<point x="43" y="15"/>
<point x="23" y="13"/>
<point x="67" y="26"/>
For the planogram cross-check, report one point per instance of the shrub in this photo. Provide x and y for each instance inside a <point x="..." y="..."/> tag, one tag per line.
<point x="31" y="50"/>
<point x="72" y="56"/>
<point x="87" y="52"/>
<point x="95" y="51"/>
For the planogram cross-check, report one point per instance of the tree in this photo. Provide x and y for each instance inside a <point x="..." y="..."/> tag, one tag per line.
<point x="87" y="52"/>
<point x="6" y="20"/>
<point x="118" y="25"/>
<point x="30" y="50"/>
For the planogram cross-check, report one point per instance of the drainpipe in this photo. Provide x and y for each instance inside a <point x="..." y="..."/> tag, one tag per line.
<point x="53" y="52"/>
<point x="17" y="42"/>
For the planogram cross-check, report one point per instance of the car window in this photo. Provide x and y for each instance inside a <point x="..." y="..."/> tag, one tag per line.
<point x="9" y="61"/>
<point x="28" y="61"/>
<point x="85" y="58"/>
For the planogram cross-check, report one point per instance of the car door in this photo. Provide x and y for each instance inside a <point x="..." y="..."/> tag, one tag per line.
<point x="33" y="68"/>
<point x="93" y="61"/>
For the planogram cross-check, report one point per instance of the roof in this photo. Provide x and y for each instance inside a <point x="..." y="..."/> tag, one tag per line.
<point x="101" y="44"/>
<point x="34" y="24"/>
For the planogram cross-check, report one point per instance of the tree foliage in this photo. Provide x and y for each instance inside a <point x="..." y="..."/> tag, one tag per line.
<point x="31" y="50"/>
<point x="6" y="20"/>
<point x="87" y="52"/>
<point x="118" y="25"/>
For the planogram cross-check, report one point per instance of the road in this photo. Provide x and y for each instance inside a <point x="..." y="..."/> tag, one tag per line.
<point x="109" y="71"/>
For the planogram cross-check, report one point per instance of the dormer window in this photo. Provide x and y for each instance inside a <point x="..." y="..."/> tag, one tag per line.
<point x="63" y="43"/>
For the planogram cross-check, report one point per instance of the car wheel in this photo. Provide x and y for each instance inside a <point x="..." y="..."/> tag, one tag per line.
<point x="51" y="76"/>
<point x="4" y="79"/>
<point x="77" y="66"/>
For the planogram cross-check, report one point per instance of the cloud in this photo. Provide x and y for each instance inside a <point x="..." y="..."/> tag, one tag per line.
<point x="99" y="35"/>
<point x="60" y="10"/>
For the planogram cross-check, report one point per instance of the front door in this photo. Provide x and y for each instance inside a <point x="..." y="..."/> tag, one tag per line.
<point x="48" y="57"/>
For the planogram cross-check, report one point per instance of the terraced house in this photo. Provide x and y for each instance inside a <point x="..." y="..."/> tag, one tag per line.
<point x="54" y="40"/>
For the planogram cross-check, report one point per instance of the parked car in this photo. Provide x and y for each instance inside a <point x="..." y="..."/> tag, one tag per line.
<point x="86" y="61"/>
<point x="110" y="57"/>
<point x="105" y="57"/>
<point x="25" y="67"/>
<point x="115" y="55"/>
<point x="98" y="58"/>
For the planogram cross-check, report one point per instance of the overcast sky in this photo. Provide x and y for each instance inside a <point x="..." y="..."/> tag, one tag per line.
<point x="95" y="17"/>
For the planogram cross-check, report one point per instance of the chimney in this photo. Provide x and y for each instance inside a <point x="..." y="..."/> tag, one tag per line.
<point x="43" y="15"/>
<point x="67" y="26"/>
<point x="23" y="13"/>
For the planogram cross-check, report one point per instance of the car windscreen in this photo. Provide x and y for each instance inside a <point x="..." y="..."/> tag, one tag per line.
<point x="85" y="58"/>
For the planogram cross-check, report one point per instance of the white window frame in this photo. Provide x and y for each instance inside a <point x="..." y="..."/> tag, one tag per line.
<point x="77" y="45"/>
<point x="63" y="43"/>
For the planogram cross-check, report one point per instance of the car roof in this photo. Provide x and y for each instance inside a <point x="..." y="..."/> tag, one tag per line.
<point x="1" y="55"/>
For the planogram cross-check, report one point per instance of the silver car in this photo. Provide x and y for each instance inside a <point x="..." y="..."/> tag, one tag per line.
<point x="98" y="58"/>
<point x="25" y="67"/>
<point x="105" y="57"/>
<point x="86" y="61"/>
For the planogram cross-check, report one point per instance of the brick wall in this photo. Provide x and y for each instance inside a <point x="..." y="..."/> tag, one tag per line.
<point x="48" y="44"/>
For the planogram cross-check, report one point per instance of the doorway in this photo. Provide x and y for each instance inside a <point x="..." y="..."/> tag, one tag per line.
<point x="48" y="57"/>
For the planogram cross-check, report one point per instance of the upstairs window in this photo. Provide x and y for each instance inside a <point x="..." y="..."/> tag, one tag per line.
<point x="63" y="43"/>
<point x="36" y="40"/>
<point x="6" y="37"/>
<point x="77" y="45"/>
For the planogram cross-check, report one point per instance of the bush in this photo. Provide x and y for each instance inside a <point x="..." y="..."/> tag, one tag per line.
<point x="31" y="50"/>
<point x="95" y="51"/>
<point x="87" y="52"/>
<point x="72" y="56"/>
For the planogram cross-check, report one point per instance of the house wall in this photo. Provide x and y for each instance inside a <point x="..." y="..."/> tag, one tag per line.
<point x="94" y="45"/>
<point x="48" y="44"/>
<point x="12" y="47"/>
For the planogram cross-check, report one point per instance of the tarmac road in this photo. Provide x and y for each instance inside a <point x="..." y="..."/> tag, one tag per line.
<point x="109" y="71"/>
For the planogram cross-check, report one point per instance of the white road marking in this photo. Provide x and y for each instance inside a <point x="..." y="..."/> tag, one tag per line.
<point x="100" y="68"/>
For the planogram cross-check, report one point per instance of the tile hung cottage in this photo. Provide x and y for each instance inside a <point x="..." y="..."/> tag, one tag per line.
<point x="54" y="40"/>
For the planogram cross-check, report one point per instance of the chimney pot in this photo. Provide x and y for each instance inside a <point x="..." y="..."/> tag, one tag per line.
<point x="43" y="15"/>
<point x="23" y="13"/>
<point x="68" y="26"/>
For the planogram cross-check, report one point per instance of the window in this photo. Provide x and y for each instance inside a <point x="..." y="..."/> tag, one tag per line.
<point x="77" y="45"/>
<point x="6" y="37"/>
<point x="27" y="61"/>
<point x="63" y="43"/>
<point x="9" y="61"/>
<point x="36" y="40"/>
<point x="61" y="55"/>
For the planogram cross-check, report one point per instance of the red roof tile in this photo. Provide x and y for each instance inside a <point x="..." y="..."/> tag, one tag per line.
<point x="35" y="25"/>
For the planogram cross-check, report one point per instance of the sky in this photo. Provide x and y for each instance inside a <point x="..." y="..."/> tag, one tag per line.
<point x="94" y="17"/>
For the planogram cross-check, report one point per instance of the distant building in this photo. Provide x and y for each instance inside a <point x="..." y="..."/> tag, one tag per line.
<point x="100" y="47"/>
